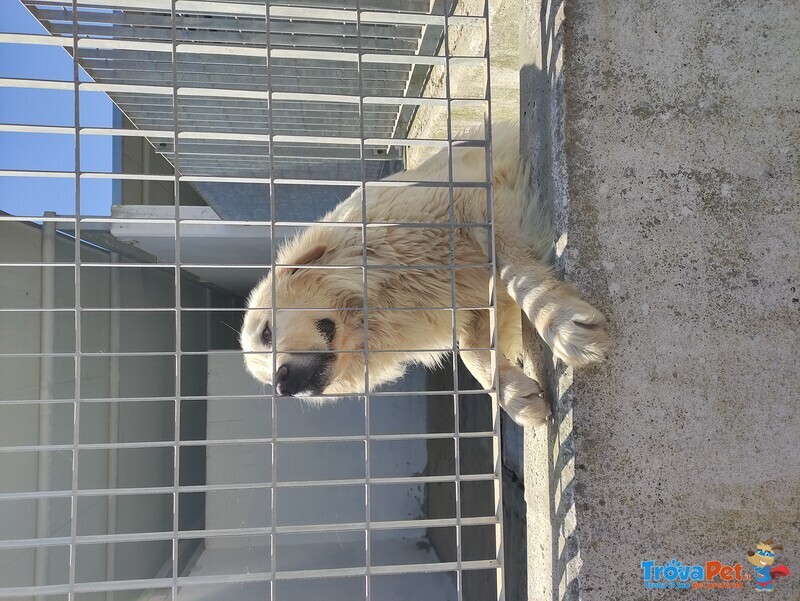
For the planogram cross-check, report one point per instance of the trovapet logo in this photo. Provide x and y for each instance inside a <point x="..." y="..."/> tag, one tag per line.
<point x="763" y="560"/>
<point x="711" y="574"/>
<point x="716" y="574"/>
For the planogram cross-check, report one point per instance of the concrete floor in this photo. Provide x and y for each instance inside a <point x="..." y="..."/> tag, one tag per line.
<point x="668" y="145"/>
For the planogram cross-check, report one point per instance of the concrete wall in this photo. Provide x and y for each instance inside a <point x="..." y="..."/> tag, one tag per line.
<point x="233" y="418"/>
<point x="230" y="417"/>
<point x="23" y="421"/>
<point x="135" y="155"/>
<point x="469" y="82"/>
<point x="672" y="131"/>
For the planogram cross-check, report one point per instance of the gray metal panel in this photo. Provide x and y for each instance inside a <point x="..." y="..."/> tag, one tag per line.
<point x="239" y="66"/>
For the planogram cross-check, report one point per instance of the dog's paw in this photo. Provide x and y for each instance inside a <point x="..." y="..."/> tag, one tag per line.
<point x="522" y="397"/>
<point x="532" y="411"/>
<point x="573" y="329"/>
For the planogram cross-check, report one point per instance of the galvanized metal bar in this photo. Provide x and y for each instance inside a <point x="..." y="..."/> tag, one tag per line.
<point x="155" y="398"/>
<point x="76" y="416"/>
<point x="100" y="446"/>
<point x="149" y="490"/>
<point x="205" y="353"/>
<point x="245" y="531"/>
<point x="365" y="303"/>
<point x="240" y="23"/>
<point x="176" y="163"/>
<point x="273" y="303"/>
<point x="238" y="579"/>
<point x="454" y="322"/>
<point x="496" y="442"/>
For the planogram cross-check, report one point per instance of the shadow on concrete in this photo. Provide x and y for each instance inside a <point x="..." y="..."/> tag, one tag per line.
<point x="477" y="498"/>
<point x="542" y="142"/>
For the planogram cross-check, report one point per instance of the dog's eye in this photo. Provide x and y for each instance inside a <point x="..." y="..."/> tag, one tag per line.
<point x="266" y="335"/>
<point x="327" y="328"/>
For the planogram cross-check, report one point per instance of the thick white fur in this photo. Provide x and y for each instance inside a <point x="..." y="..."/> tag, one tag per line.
<point x="572" y="328"/>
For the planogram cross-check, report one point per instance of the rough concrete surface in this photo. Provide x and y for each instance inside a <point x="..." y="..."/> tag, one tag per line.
<point x="470" y="82"/>
<point x="676" y="185"/>
<point x="552" y="545"/>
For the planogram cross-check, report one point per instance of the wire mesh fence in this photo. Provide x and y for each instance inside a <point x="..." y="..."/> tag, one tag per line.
<point x="156" y="156"/>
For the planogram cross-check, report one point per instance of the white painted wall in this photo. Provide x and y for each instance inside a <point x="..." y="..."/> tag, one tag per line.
<point x="141" y="378"/>
<point x="231" y="418"/>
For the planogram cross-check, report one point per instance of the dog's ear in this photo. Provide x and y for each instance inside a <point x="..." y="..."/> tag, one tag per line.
<point x="311" y="256"/>
<point x="352" y="315"/>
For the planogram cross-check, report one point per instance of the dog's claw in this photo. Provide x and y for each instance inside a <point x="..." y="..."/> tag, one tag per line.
<point x="535" y="411"/>
<point x="522" y="397"/>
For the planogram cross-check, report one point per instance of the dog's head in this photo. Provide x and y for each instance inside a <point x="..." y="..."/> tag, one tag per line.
<point x="314" y="330"/>
<point x="764" y="555"/>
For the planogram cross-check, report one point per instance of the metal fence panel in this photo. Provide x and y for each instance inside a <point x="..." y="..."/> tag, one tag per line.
<point x="164" y="150"/>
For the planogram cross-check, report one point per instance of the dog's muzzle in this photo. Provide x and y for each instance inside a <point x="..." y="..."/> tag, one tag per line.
<point x="304" y="376"/>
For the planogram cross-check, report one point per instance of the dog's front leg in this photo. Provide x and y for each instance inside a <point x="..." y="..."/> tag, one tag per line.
<point x="520" y="396"/>
<point x="571" y="327"/>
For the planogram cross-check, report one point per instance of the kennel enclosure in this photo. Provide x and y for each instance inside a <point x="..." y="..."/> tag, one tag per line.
<point x="162" y="150"/>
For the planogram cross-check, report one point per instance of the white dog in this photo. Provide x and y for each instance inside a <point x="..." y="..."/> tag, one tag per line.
<point x="407" y="316"/>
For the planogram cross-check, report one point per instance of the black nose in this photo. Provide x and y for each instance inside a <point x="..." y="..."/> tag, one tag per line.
<point x="308" y="375"/>
<point x="282" y="384"/>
